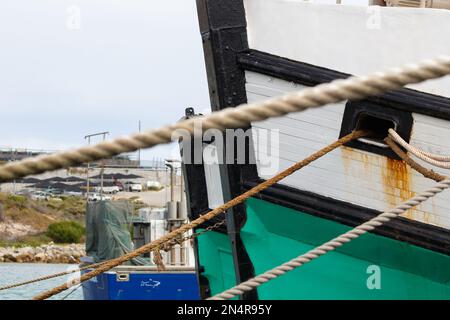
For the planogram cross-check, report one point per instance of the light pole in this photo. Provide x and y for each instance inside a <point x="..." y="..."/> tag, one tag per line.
<point x="139" y="150"/>
<point x="172" y="206"/>
<point x="88" y="138"/>
<point x="13" y="158"/>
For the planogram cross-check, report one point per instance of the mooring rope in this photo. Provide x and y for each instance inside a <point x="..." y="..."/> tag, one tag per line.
<point x="424" y="171"/>
<point x="437" y="160"/>
<point x="71" y="292"/>
<point x="428" y="173"/>
<point x="397" y="138"/>
<point x="315" y="253"/>
<point x="158" y="259"/>
<point x="206" y="217"/>
<point x="166" y="247"/>
<point x="353" y="88"/>
<point x="350" y="235"/>
<point x="51" y="276"/>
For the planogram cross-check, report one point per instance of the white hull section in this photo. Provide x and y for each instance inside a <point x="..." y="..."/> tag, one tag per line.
<point x="356" y="40"/>
<point x="352" y="39"/>
<point x="346" y="174"/>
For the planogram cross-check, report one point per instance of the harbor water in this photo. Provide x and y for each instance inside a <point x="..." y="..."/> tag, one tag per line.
<point x="19" y="272"/>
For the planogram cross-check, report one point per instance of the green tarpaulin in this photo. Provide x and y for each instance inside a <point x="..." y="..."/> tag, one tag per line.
<point x="108" y="225"/>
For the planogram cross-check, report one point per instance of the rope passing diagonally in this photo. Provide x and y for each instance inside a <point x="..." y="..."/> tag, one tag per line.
<point x="444" y="183"/>
<point x="206" y="217"/>
<point x="48" y="277"/>
<point x="353" y="88"/>
<point x="166" y="247"/>
<point x="319" y="251"/>
<point x="428" y="173"/>
<point x="433" y="159"/>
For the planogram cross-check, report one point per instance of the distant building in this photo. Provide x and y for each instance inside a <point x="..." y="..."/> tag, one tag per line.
<point x="12" y="154"/>
<point x="120" y="161"/>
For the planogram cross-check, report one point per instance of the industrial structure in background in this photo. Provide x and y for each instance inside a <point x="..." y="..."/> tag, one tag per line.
<point x="176" y="210"/>
<point x="102" y="163"/>
<point x="165" y="274"/>
<point x="8" y="154"/>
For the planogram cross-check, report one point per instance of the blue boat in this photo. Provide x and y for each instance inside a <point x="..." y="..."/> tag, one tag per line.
<point x="112" y="231"/>
<point x="143" y="283"/>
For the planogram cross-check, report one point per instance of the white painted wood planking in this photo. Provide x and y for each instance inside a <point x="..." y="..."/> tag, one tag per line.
<point x="212" y="176"/>
<point x="354" y="176"/>
<point x="352" y="39"/>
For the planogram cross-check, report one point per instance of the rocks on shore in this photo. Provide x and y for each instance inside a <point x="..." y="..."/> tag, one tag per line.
<point x="48" y="253"/>
<point x="11" y="230"/>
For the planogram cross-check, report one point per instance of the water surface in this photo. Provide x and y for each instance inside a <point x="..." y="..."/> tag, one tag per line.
<point x="17" y="272"/>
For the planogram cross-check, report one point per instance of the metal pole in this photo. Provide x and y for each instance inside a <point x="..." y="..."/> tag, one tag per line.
<point x="181" y="185"/>
<point x="102" y="171"/>
<point x="13" y="156"/>
<point x="172" y="189"/>
<point x="139" y="150"/>
<point x="88" y="137"/>
<point x="166" y="182"/>
<point x="101" y="181"/>
<point x="183" y="248"/>
<point x="157" y="171"/>
<point x="87" y="173"/>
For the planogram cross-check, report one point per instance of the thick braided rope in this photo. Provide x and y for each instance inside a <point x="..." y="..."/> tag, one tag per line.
<point x="353" y="88"/>
<point x="158" y="260"/>
<point x="428" y="173"/>
<point x="431" y="158"/>
<point x="48" y="277"/>
<point x="167" y="246"/>
<point x="370" y="225"/>
<point x="206" y="217"/>
<point x="397" y="138"/>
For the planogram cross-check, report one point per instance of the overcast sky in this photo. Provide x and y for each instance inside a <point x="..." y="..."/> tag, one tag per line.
<point x="69" y="68"/>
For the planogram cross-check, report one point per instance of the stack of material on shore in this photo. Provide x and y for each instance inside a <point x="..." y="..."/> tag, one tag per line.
<point x="48" y="253"/>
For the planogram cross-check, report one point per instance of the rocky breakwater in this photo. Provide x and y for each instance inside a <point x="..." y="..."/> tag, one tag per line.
<point x="48" y="253"/>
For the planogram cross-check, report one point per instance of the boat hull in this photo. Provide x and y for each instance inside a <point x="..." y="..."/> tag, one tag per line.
<point x="251" y="58"/>
<point x="370" y="267"/>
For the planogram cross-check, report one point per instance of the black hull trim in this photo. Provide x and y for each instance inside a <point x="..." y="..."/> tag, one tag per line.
<point x="224" y="33"/>
<point x="417" y="233"/>
<point x="223" y="29"/>
<point x="407" y="100"/>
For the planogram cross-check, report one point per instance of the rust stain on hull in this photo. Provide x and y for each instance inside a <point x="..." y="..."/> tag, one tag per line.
<point x="349" y="155"/>
<point x="396" y="179"/>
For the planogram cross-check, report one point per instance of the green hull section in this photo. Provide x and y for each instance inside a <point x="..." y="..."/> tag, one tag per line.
<point x="370" y="267"/>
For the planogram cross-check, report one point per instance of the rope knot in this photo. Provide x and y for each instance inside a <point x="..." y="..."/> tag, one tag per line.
<point x="158" y="259"/>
